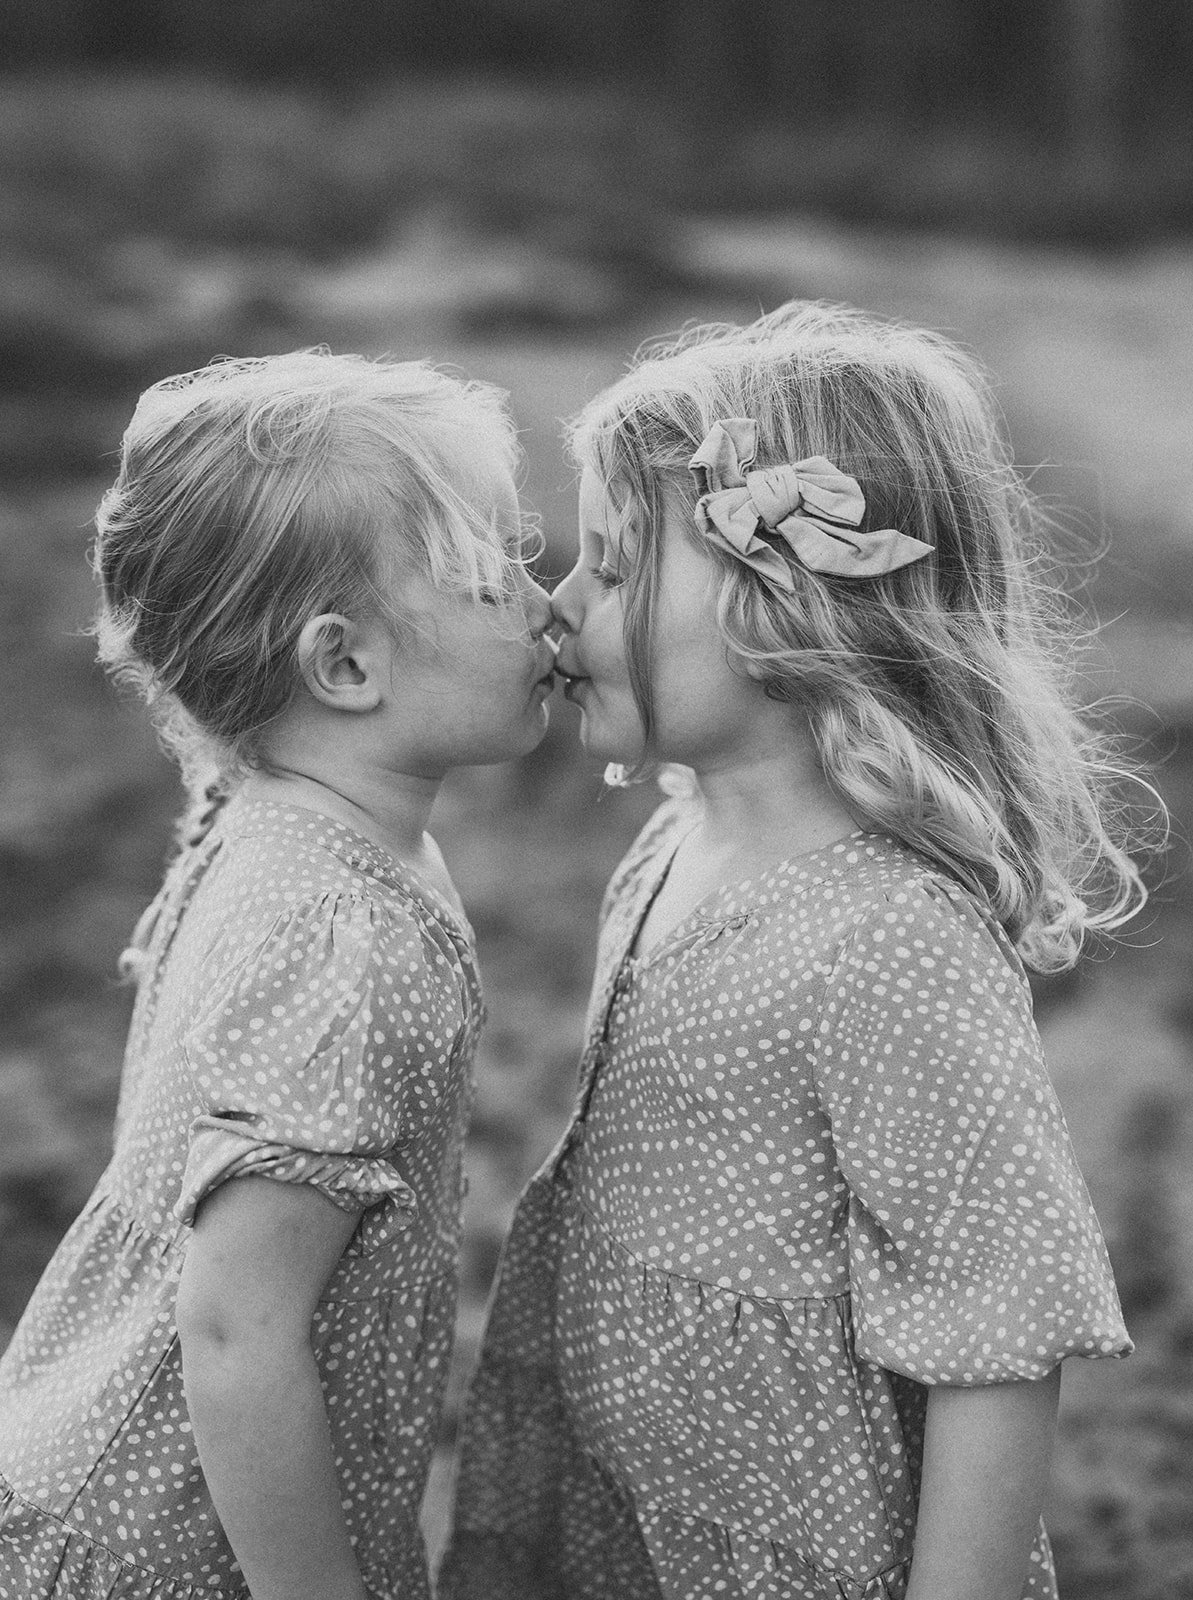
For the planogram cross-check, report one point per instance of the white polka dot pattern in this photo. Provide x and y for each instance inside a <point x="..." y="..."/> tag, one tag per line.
<point x="308" y="1012"/>
<point x="975" y="1256"/>
<point x="817" y="1167"/>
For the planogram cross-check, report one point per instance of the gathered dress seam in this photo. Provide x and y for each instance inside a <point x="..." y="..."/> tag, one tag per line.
<point x="8" y="1490"/>
<point x="652" y="1502"/>
<point x="705" y="1283"/>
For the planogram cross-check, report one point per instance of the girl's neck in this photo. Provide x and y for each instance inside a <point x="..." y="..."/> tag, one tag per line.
<point x="391" y="810"/>
<point x="770" y="805"/>
<point x="756" y="813"/>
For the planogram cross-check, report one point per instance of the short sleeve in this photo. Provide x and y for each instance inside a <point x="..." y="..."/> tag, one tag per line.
<point x="975" y="1254"/>
<point x="314" y="1054"/>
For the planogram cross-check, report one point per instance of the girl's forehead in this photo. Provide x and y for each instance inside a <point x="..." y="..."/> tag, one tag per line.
<point x="488" y="483"/>
<point x="602" y="516"/>
<point x="504" y="500"/>
<point x="597" y="512"/>
<point x="491" y="493"/>
<point x="478" y="472"/>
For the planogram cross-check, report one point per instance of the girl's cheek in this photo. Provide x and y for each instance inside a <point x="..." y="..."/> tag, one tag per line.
<point x="613" y="627"/>
<point x="606" y="650"/>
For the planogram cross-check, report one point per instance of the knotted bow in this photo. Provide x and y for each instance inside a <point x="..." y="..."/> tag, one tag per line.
<point x="814" y="507"/>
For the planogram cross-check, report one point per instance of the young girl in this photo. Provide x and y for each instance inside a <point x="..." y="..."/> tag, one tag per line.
<point x="229" y="1379"/>
<point x="783" y="1316"/>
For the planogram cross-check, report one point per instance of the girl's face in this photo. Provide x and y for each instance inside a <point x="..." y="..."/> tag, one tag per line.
<point x="470" y="679"/>
<point x="706" y="713"/>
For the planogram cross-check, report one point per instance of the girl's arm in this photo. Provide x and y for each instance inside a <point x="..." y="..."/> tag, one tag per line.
<point x="258" y="1261"/>
<point x="987" y="1453"/>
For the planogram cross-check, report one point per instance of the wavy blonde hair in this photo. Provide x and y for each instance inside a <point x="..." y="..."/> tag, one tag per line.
<point x="938" y="696"/>
<point x="256" y="494"/>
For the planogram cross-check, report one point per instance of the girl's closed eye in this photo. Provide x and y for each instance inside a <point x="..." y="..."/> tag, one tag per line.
<point x="601" y="558"/>
<point x="607" y="576"/>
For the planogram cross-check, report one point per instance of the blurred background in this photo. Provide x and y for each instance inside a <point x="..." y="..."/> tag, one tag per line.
<point x="526" y="189"/>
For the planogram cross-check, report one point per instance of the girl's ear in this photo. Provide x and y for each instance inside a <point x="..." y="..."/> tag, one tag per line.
<point x="337" y="665"/>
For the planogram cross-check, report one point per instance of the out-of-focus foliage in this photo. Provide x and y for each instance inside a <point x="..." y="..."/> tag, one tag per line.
<point x="139" y="212"/>
<point x="1064" y="70"/>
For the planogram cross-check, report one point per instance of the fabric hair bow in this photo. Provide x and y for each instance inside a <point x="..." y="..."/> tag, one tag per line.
<point x="814" y="507"/>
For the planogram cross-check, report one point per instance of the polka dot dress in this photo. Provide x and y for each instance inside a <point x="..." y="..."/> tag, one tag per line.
<point x="817" y="1167"/>
<point x="307" y="1012"/>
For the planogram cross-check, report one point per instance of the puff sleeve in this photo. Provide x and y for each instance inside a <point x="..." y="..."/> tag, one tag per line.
<point x="313" y="1056"/>
<point x="975" y="1256"/>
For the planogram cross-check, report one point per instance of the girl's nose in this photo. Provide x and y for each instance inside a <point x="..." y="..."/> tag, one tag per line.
<point x="565" y="604"/>
<point x="538" y="610"/>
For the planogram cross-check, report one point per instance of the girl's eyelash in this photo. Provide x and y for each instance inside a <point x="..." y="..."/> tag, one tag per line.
<point x="606" y="576"/>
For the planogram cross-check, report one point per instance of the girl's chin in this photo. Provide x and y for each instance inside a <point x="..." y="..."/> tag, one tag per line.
<point x="596" y="742"/>
<point x="519" y="740"/>
<point x="537" y="725"/>
<point x="607" y="738"/>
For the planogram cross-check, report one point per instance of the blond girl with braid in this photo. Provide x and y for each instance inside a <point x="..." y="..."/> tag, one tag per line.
<point x="230" y="1378"/>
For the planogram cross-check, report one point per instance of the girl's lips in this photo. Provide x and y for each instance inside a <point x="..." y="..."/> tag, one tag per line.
<point x="564" y="667"/>
<point x="572" y="680"/>
<point x="546" y="664"/>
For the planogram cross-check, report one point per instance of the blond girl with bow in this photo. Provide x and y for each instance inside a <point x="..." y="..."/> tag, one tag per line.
<point x="784" y="1314"/>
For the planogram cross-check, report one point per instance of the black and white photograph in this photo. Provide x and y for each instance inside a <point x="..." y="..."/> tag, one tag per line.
<point x="596" y="898"/>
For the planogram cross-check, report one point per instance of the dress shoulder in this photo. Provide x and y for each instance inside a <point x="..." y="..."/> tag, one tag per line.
<point x="975" y="1255"/>
<point x="318" y="1049"/>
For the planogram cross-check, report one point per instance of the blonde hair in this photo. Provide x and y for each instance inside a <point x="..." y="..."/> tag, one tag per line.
<point x="938" y="696"/>
<point x="256" y="494"/>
